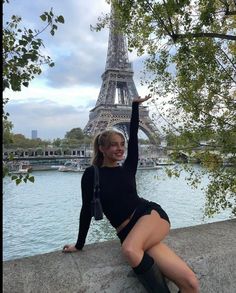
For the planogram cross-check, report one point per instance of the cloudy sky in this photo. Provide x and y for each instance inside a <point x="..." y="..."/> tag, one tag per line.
<point x="60" y="99"/>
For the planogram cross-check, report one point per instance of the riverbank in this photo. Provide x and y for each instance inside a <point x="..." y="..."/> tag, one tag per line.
<point x="210" y="250"/>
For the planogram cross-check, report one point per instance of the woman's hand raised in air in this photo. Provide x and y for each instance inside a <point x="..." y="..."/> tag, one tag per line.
<point x="69" y="248"/>
<point x="140" y="100"/>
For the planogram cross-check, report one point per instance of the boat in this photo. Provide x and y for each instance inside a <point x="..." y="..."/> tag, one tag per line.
<point x="56" y="167"/>
<point x="23" y="167"/>
<point x="164" y="161"/>
<point x="72" y="166"/>
<point x="147" y="164"/>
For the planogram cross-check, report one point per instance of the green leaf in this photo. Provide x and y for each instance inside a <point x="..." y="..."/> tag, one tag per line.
<point x="18" y="181"/>
<point x="61" y="19"/>
<point x="23" y="43"/>
<point x="31" y="179"/>
<point x="43" y="17"/>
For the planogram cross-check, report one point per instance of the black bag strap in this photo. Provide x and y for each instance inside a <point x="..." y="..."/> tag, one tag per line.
<point x="96" y="186"/>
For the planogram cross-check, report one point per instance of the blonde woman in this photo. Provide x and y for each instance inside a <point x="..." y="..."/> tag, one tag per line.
<point x="141" y="225"/>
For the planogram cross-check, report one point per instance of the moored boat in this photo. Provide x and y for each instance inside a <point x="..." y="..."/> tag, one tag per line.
<point x="56" y="167"/>
<point x="147" y="164"/>
<point x="23" y="167"/>
<point x="72" y="166"/>
<point x="163" y="161"/>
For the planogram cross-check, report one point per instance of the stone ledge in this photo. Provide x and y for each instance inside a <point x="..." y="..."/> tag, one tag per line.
<point x="210" y="250"/>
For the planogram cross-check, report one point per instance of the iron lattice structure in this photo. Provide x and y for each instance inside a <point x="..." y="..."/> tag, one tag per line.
<point x="113" y="106"/>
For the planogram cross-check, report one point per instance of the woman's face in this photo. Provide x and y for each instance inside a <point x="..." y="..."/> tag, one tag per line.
<point x="115" y="150"/>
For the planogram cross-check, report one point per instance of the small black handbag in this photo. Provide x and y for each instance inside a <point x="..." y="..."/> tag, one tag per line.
<point x="96" y="207"/>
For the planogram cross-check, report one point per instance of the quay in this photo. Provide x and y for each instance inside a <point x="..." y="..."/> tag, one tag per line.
<point x="46" y="163"/>
<point x="209" y="249"/>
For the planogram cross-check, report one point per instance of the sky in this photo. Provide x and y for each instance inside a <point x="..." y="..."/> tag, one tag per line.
<point x="62" y="96"/>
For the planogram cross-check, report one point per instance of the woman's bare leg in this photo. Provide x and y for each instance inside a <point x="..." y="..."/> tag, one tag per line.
<point x="174" y="268"/>
<point x="146" y="236"/>
<point x="146" y="233"/>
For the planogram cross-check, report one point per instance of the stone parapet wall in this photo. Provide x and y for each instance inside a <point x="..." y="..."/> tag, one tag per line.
<point x="210" y="250"/>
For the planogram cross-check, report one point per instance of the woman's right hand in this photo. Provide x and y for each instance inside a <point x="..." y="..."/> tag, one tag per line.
<point x="69" y="248"/>
<point x="140" y="100"/>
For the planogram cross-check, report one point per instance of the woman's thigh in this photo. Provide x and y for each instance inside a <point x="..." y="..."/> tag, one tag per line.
<point x="148" y="231"/>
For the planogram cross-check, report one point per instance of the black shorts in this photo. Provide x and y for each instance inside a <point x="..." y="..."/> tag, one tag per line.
<point x="144" y="208"/>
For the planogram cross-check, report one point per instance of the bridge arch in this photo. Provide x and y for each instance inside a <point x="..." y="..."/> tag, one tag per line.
<point x="124" y="127"/>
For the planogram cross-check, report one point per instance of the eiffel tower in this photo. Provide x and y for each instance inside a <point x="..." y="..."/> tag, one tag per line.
<point x="113" y="106"/>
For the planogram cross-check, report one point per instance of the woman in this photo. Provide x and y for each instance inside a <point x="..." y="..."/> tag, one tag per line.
<point x="141" y="225"/>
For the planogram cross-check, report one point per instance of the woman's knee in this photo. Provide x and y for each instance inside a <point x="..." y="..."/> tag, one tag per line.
<point x="131" y="252"/>
<point x="128" y="249"/>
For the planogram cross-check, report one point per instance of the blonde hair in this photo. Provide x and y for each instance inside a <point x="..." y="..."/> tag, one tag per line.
<point x="102" y="139"/>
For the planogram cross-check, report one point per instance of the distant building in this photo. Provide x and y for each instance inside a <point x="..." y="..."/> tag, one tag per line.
<point x="34" y="134"/>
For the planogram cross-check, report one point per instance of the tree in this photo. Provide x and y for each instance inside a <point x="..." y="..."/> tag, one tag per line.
<point x="19" y="140"/>
<point x="22" y="57"/>
<point x="7" y="134"/>
<point x="57" y="142"/>
<point x="75" y="133"/>
<point x="190" y="67"/>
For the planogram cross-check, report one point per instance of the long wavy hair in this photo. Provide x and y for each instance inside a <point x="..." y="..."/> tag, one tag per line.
<point x="102" y="139"/>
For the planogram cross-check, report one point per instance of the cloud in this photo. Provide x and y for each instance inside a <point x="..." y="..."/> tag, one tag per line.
<point x="80" y="57"/>
<point x="76" y="69"/>
<point x="51" y="119"/>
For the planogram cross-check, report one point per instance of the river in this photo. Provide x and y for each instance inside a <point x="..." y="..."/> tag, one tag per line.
<point x="41" y="217"/>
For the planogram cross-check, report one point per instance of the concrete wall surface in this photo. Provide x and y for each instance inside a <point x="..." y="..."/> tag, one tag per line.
<point x="209" y="249"/>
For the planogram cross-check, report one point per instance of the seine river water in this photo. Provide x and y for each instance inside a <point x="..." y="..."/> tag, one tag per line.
<point x="41" y="217"/>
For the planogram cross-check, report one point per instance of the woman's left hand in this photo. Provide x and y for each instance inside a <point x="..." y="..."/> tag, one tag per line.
<point x="140" y="100"/>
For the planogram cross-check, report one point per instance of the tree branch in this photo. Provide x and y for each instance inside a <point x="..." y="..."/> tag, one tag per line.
<point x="227" y="57"/>
<point x="159" y="19"/>
<point x="206" y="35"/>
<point x="169" y="19"/>
<point x="230" y="13"/>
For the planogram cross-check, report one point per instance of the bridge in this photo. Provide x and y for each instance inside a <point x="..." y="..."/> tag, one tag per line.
<point x="44" y="158"/>
<point x="47" y="152"/>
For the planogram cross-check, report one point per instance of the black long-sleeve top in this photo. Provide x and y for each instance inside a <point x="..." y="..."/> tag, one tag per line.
<point x="118" y="192"/>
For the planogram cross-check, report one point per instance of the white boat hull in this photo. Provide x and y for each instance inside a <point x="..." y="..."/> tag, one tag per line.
<point x="63" y="169"/>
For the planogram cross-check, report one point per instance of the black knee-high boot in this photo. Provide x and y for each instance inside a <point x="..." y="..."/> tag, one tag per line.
<point x="150" y="276"/>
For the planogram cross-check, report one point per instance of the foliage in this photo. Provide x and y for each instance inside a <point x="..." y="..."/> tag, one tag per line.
<point x="190" y="68"/>
<point x="221" y="191"/>
<point x="22" y="57"/>
<point x="12" y="141"/>
<point x="20" y="141"/>
<point x="23" y="60"/>
<point x="7" y="134"/>
<point x="76" y="137"/>
<point x="20" y="178"/>
<point x="75" y="133"/>
<point x="57" y="142"/>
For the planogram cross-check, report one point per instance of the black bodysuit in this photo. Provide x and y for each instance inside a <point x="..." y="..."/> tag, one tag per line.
<point x="118" y="192"/>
